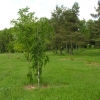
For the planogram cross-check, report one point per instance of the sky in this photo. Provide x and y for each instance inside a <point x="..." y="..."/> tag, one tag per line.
<point x="42" y="8"/>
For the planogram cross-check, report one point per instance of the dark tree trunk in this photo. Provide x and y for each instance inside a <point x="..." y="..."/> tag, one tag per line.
<point x="67" y="48"/>
<point x="56" y="50"/>
<point x="28" y="57"/>
<point x="61" y="51"/>
<point x="71" y="49"/>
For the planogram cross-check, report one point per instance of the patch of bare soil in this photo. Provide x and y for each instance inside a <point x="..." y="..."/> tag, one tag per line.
<point x="63" y="59"/>
<point x="29" y="87"/>
<point x="67" y="59"/>
<point x="93" y="64"/>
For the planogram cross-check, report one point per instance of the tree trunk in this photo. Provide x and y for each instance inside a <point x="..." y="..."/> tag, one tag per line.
<point x="60" y="49"/>
<point x="76" y="46"/>
<point x="56" y="49"/>
<point x="71" y="49"/>
<point x="67" y="48"/>
<point x="38" y="76"/>
<point x="28" y="58"/>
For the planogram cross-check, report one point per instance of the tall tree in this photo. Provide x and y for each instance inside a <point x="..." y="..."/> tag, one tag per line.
<point x="90" y="27"/>
<point x="66" y="26"/>
<point x="71" y="26"/>
<point x="96" y="29"/>
<point x="57" y="23"/>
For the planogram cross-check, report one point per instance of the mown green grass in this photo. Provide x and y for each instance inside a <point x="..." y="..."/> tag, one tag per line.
<point x="65" y="77"/>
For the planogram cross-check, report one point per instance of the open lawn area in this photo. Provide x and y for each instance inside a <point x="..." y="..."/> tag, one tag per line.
<point x="65" y="77"/>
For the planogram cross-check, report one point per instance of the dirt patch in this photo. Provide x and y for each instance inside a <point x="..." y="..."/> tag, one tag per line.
<point x="44" y="86"/>
<point x="67" y="59"/>
<point x="63" y="59"/>
<point x="29" y="87"/>
<point x="93" y="63"/>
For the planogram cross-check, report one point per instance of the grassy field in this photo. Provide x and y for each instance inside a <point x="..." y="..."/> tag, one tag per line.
<point x="65" y="77"/>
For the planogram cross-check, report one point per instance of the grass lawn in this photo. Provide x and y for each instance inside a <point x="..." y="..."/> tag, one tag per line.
<point x="65" y="77"/>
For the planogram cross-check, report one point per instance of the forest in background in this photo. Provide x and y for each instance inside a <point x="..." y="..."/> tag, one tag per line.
<point x="63" y="31"/>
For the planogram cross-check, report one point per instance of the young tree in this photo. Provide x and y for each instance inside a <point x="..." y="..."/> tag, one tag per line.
<point x="39" y="58"/>
<point x="32" y="33"/>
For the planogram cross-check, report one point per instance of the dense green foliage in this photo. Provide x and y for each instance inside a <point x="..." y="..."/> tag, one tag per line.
<point x="32" y="33"/>
<point x="96" y="29"/>
<point x="64" y="30"/>
<point x="66" y="24"/>
<point x="6" y="38"/>
<point x="66" y="77"/>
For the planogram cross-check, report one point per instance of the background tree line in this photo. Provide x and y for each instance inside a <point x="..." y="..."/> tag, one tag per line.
<point x="65" y="31"/>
